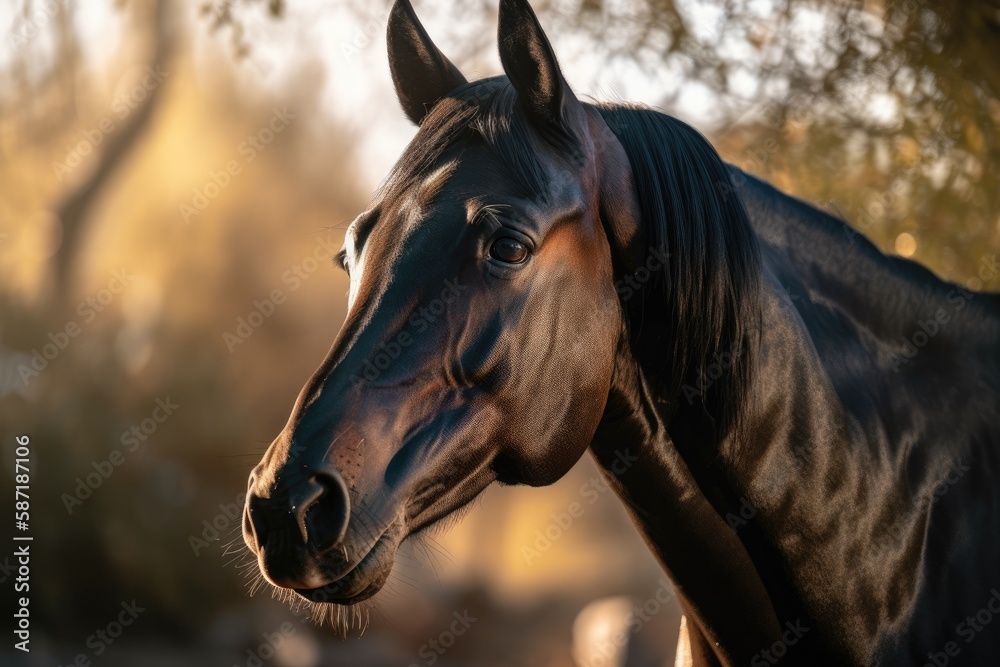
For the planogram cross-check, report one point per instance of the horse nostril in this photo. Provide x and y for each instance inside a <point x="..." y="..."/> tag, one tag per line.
<point x="254" y="528"/>
<point x="324" y="515"/>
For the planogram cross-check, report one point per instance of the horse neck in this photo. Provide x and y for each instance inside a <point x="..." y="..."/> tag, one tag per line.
<point x="728" y="516"/>
<point x="683" y="483"/>
<point x="719" y="589"/>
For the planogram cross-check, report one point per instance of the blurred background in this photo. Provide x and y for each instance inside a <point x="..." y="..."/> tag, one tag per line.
<point x="167" y="167"/>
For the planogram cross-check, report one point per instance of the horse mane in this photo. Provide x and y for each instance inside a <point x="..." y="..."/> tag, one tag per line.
<point x="708" y="296"/>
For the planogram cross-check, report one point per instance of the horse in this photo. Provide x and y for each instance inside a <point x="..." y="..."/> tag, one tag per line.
<point x="805" y="431"/>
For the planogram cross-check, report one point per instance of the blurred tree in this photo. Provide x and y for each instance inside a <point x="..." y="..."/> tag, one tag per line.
<point x="156" y="23"/>
<point x="64" y="231"/>
<point x="887" y="109"/>
<point x="41" y="103"/>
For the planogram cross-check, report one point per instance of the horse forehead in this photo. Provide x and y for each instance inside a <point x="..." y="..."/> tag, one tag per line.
<point x="563" y="189"/>
<point x="471" y="181"/>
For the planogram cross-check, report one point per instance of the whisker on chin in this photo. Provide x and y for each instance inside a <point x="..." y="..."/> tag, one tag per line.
<point x="437" y="548"/>
<point x="234" y="546"/>
<point x="369" y="526"/>
<point x="341" y="618"/>
<point x="422" y="548"/>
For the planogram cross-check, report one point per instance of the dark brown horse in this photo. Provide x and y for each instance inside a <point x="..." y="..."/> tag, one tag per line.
<point x="806" y="431"/>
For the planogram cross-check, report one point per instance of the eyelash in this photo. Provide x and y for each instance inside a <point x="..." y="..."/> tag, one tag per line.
<point x="490" y="214"/>
<point x="340" y="260"/>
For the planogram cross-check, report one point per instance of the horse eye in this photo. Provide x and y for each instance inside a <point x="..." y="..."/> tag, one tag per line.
<point x="509" y="250"/>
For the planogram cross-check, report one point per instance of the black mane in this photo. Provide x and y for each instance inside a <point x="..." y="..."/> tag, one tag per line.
<point x="708" y="296"/>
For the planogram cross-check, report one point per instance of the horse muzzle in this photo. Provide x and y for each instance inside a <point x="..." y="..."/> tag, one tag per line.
<point x="292" y="523"/>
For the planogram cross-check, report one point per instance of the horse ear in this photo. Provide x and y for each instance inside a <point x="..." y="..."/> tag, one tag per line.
<point x="530" y="64"/>
<point x="421" y="74"/>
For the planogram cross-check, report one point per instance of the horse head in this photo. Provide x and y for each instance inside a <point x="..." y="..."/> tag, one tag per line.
<point x="483" y="318"/>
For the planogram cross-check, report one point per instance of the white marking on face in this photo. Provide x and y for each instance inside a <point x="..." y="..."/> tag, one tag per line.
<point x="355" y="263"/>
